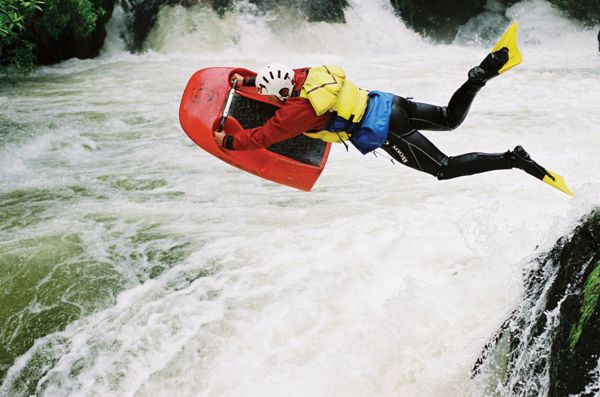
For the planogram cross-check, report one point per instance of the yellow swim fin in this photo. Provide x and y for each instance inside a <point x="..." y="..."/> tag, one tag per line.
<point x="521" y="159"/>
<point x="509" y="40"/>
<point x="557" y="181"/>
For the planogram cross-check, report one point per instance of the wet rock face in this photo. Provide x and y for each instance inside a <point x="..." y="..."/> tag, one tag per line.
<point x="551" y="342"/>
<point x="576" y="346"/>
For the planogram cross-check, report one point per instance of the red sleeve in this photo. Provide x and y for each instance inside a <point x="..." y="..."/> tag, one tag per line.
<point x="293" y="118"/>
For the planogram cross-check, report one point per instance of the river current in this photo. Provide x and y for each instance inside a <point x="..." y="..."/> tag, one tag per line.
<point x="132" y="263"/>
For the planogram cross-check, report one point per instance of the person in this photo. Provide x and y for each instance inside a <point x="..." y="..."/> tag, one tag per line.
<point x="321" y="103"/>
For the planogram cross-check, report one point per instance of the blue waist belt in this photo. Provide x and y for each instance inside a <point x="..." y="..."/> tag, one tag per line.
<point x="372" y="131"/>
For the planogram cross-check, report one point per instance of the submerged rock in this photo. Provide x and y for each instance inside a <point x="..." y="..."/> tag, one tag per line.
<point x="550" y="345"/>
<point x="143" y="13"/>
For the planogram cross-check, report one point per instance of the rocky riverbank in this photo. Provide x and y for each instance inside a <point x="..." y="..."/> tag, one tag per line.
<point x="550" y="345"/>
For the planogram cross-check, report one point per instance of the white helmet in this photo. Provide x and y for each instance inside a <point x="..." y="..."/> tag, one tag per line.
<point x="275" y="79"/>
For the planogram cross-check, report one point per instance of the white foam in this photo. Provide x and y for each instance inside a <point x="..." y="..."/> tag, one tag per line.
<point x="382" y="281"/>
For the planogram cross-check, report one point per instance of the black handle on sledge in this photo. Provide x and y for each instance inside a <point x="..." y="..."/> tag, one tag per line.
<point x="227" y="106"/>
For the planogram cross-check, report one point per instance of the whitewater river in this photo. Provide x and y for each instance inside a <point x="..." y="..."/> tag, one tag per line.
<point x="134" y="264"/>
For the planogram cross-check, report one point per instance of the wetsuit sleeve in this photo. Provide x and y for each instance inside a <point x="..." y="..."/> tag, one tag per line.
<point x="293" y="118"/>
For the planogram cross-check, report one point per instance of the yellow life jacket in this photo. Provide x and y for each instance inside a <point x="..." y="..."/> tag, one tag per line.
<point x="327" y="90"/>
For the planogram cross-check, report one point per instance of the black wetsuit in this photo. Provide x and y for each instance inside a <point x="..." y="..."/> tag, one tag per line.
<point x="409" y="147"/>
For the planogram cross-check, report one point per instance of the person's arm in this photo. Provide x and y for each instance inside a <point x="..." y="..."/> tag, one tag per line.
<point x="294" y="118"/>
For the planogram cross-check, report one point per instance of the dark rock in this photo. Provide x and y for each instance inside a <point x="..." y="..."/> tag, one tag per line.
<point x="441" y="19"/>
<point x="437" y="18"/>
<point x="142" y="16"/>
<point x="555" y="332"/>
<point x="587" y="11"/>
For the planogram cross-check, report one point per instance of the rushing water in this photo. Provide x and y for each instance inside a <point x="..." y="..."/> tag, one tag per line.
<point x="133" y="263"/>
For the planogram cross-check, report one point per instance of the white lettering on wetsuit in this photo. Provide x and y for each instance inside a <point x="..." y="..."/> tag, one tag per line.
<point x="397" y="150"/>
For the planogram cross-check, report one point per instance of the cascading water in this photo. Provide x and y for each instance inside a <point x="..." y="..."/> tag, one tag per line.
<point x="132" y="263"/>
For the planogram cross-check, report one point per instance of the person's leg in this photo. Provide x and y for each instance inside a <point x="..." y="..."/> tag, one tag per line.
<point x="475" y="163"/>
<point x="409" y="147"/>
<point x="414" y="150"/>
<point x="423" y="116"/>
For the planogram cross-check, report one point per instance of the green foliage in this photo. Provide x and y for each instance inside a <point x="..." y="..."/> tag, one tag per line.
<point x="16" y="54"/>
<point x="77" y="16"/>
<point x="591" y="295"/>
<point x="13" y="14"/>
<point x="27" y="25"/>
<point x="20" y="59"/>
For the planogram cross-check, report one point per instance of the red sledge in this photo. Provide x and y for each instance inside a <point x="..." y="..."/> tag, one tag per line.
<point x="209" y="102"/>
